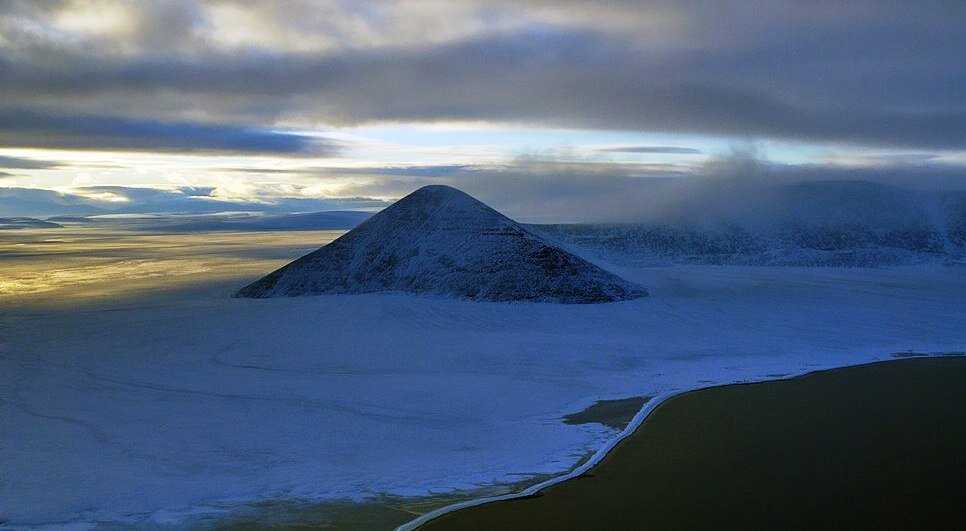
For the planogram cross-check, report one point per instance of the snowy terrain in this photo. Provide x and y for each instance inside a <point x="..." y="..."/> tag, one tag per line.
<point x="831" y="224"/>
<point x="155" y="408"/>
<point x="135" y="390"/>
<point x="440" y="241"/>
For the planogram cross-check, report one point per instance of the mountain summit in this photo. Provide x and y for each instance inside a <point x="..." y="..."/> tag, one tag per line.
<point x="440" y="241"/>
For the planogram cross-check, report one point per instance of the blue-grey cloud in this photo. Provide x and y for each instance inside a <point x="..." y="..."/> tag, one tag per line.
<point x="891" y="74"/>
<point x="34" y="202"/>
<point x="535" y="190"/>
<point x="532" y="190"/>
<point x="667" y="150"/>
<point x="28" y="164"/>
<point x="185" y="200"/>
<point x="26" y="128"/>
<point x="437" y="170"/>
<point x="433" y="170"/>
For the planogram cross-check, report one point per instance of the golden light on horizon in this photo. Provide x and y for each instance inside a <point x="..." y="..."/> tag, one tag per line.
<point x="73" y="265"/>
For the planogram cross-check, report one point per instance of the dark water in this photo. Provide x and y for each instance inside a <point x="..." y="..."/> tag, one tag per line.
<point x="879" y="446"/>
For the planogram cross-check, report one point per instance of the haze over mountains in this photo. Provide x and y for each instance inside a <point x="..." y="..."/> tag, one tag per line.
<point x="820" y="223"/>
<point x="440" y="241"/>
<point x="26" y="223"/>
<point x="110" y="200"/>
<point x="215" y="222"/>
<point x="742" y="222"/>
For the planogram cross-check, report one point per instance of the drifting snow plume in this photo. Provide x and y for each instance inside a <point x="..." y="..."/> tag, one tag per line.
<point x="440" y="241"/>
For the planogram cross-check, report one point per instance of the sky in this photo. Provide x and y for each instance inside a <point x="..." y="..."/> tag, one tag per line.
<point x="548" y="110"/>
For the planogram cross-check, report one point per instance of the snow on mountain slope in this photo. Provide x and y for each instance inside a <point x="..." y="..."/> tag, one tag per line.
<point x="441" y="241"/>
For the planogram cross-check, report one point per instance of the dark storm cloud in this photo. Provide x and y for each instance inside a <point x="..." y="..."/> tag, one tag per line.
<point x="885" y="73"/>
<point x="22" y="128"/>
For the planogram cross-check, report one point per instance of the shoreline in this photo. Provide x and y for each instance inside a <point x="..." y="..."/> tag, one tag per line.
<point x="594" y="459"/>
<point x="636" y="423"/>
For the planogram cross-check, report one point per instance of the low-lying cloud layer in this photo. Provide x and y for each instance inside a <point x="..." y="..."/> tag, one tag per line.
<point x="101" y="200"/>
<point x="672" y="150"/>
<point x="110" y="133"/>
<point x="529" y="189"/>
<point x="26" y="164"/>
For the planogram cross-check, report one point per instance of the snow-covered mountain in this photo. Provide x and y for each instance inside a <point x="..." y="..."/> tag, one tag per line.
<point x="829" y="224"/>
<point x="440" y="241"/>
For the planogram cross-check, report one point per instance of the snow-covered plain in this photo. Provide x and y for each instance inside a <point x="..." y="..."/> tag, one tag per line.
<point x="154" y="407"/>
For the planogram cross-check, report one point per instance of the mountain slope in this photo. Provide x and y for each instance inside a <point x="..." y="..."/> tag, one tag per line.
<point x="441" y="241"/>
<point x="825" y="223"/>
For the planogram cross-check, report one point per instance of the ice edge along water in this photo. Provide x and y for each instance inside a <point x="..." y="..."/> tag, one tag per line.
<point x="455" y="379"/>
<point x="629" y="430"/>
<point x="529" y="491"/>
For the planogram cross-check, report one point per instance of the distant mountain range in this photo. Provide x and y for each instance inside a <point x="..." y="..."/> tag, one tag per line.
<point x="27" y="223"/>
<point x="834" y="224"/>
<point x="816" y="223"/>
<point x="226" y="221"/>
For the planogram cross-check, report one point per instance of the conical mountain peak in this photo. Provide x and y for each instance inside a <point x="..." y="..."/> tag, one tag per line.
<point x="440" y="206"/>
<point x="440" y="241"/>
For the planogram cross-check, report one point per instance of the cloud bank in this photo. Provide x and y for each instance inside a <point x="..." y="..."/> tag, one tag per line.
<point x="555" y="190"/>
<point x="529" y="189"/>
<point x="21" y="128"/>
<point x="101" y="200"/>
<point x="885" y="74"/>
